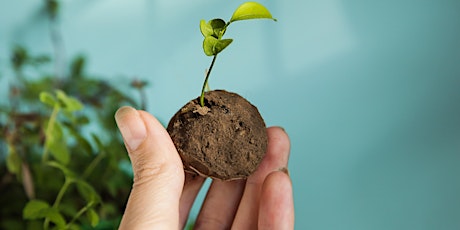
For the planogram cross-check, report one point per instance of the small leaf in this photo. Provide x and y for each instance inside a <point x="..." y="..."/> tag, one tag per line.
<point x="54" y="216"/>
<point x="93" y="217"/>
<point x="205" y="28"/>
<point x="73" y="104"/>
<point x="13" y="161"/>
<point x="57" y="145"/>
<point x="218" y="27"/>
<point x="38" y="209"/>
<point x="251" y="10"/>
<point x="55" y="132"/>
<point x="69" y="103"/>
<point x="47" y="99"/>
<point x="88" y="192"/>
<point x="67" y="172"/>
<point x="213" y="46"/>
<point x="59" y="151"/>
<point x="208" y="45"/>
<point x="221" y="45"/>
<point x="34" y="209"/>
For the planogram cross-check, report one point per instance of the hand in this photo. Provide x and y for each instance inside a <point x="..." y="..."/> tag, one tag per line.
<point x="162" y="195"/>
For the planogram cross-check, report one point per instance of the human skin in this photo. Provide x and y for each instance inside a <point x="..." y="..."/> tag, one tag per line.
<point x="162" y="194"/>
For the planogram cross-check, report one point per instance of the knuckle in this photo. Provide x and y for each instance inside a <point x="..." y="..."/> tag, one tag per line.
<point x="143" y="171"/>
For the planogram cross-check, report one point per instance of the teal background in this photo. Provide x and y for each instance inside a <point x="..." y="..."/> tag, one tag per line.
<point x="367" y="90"/>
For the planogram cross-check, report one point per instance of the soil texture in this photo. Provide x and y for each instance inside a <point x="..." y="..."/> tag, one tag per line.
<point x="226" y="139"/>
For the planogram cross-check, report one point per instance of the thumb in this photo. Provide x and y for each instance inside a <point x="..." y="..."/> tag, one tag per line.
<point x="158" y="172"/>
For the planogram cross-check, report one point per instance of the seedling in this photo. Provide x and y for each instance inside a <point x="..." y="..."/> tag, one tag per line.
<point x="224" y="138"/>
<point x="214" y="30"/>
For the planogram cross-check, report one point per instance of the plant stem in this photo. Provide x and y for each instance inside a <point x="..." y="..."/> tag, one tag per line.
<point x="61" y="193"/>
<point x="93" y="164"/>
<point x="49" y="131"/>
<point x="79" y="213"/>
<point x="206" y="80"/>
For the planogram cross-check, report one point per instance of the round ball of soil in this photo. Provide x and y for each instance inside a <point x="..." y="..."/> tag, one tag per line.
<point x="226" y="139"/>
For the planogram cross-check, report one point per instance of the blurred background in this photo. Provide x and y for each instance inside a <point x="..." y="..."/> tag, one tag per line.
<point x="369" y="91"/>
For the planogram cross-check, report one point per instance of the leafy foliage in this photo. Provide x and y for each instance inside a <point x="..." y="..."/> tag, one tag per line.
<point x="60" y="151"/>
<point x="214" y="29"/>
<point x="55" y="154"/>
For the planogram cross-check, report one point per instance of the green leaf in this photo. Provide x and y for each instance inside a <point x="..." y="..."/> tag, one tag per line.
<point x="88" y="192"/>
<point x="73" y="104"/>
<point x="67" y="172"/>
<point x="34" y="209"/>
<point x="60" y="151"/>
<point x="221" y="45"/>
<point x="218" y="27"/>
<point x="251" y="10"/>
<point x="93" y="217"/>
<point x="215" y="27"/>
<point x="47" y="99"/>
<point x="13" y="161"/>
<point x="208" y="45"/>
<point x="57" y="145"/>
<point x="56" y="217"/>
<point x="206" y="29"/>
<point x="213" y="46"/>
<point x="38" y="209"/>
<point x="69" y="103"/>
<point x="56" y="132"/>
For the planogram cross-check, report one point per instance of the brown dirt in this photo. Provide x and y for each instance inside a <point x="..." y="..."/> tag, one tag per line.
<point x="226" y="139"/>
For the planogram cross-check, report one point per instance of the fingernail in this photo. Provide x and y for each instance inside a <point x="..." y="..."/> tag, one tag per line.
<point x="131" y="126"/>
<point x="284" y="169"/>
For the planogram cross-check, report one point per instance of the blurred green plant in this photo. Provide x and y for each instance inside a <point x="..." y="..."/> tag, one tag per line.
<point x="63" y="164"/>
<point x="61" y="156"/>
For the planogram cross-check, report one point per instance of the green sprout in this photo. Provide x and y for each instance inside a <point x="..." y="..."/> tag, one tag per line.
<point x="214" y="30"/>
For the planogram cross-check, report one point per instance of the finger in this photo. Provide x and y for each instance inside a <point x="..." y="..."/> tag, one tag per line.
<point x="220" y="205"/>
<point x="276" y="203"/>
<point x="192" y="186"/>
<point x="158" y="172"/>
<point x="276" y="157"/>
